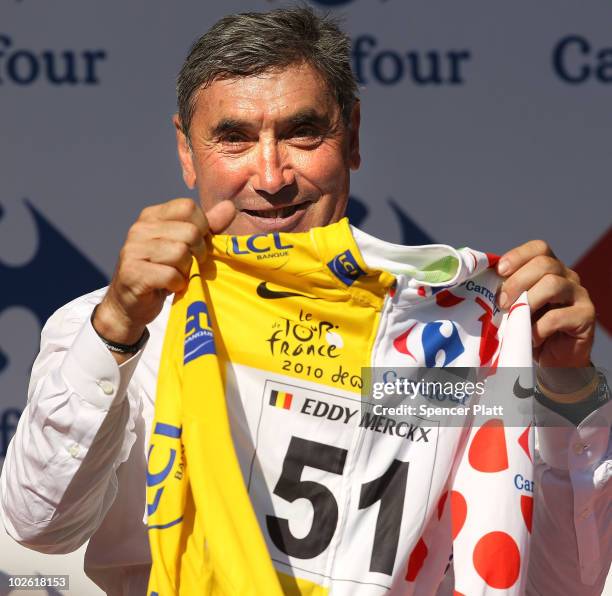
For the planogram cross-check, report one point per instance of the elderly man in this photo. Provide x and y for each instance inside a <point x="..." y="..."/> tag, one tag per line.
<point x="267" y="132"/>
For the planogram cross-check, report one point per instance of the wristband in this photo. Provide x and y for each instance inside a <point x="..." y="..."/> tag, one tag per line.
<point x="577" y="411"/>
<point x="116" y="347"/>
<point x="570" y="398"/>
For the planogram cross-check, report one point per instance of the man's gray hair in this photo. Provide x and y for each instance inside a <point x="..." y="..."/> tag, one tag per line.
<point x="252" y="43"/>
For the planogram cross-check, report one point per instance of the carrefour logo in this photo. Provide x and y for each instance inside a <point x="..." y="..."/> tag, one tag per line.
<point x="21" y="66"/>
<point x="23" y="284"/>
<point x="40" y="287"/>
<point x="576" y="61"/>
<point x="372" y="62"/>
<point x="440" y="342"/>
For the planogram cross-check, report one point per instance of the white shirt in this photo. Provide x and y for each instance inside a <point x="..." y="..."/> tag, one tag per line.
<point x="76" y="468"/>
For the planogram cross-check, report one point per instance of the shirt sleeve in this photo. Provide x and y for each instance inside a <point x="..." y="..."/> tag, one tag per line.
<point x="59" y="475"/>
<point x="571" y="546"/>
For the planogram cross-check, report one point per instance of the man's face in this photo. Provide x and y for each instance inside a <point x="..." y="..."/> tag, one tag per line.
<point x="275" y="145"/>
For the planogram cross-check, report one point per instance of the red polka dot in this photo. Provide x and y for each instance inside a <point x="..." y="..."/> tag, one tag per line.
<point x="527" y="510"/>
<point x="416" y="560"/>
<point x="458" y="512"/>
<point x="447" y="300"/>
<point x="488" y="451"/>
<point x="497" y="560"/>
<point x="441" y="504"/>
<point x="421" y="291"/>
<point x="523" y="441"/>
<point x="493" y="259"/>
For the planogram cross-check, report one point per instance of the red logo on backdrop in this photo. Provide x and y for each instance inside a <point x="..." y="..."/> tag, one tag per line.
<point x="595" y="271"/>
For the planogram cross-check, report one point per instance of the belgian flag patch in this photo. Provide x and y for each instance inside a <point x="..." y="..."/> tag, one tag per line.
<point x="281" y="399"/>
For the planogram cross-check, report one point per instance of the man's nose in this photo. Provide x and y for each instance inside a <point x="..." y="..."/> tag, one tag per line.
<point x="273" y="170"/>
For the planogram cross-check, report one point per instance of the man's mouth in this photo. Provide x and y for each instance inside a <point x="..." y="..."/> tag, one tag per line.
<point x="279" y="213"/>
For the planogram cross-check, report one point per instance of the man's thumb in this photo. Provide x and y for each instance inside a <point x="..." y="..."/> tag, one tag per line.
<point x="221" y="216"/>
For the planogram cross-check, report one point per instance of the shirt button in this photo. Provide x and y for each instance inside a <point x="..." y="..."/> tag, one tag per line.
<point x="585" y="513"/>
<point x="74" y="450"/>
<point x="107" y="387"/>
<point x="579" y="448"/>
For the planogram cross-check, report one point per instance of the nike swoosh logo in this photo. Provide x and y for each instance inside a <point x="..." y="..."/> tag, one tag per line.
<point x="263" y="291"/>
<point x="520" y="391"/>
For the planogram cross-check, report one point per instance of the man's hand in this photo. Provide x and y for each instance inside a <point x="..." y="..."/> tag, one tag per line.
<point x="155" y="261"/>
<point x="563" y="316"/>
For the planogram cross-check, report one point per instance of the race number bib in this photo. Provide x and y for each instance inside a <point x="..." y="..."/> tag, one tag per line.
<point x="341" y="494"/>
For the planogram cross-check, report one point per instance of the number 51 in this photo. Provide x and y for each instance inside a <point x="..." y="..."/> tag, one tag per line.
<point x="389" y="489"/>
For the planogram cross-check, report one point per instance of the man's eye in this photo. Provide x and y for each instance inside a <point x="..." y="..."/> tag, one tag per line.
<point x="233" y="138"/>
<point x="306" y="131"/>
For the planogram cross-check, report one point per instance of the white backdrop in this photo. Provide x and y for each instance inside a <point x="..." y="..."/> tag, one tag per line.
<point x="484" y="124"/>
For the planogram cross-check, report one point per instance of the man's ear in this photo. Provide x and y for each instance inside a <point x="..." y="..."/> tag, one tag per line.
<point x="185" y="154"/>
<point x="355" y="120"/>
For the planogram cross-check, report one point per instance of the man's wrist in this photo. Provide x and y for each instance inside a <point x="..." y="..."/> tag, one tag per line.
<point x="110" y="325"/>
<point x="119" y="348"/>
<point x="576" y="406"/>
<point x="567" y="385"/>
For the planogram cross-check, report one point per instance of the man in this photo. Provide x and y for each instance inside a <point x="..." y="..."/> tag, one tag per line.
<point x="267" y="132"/>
